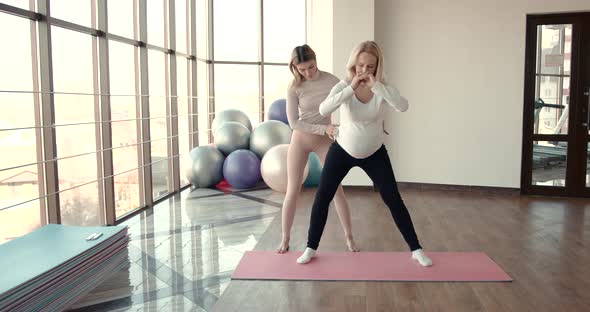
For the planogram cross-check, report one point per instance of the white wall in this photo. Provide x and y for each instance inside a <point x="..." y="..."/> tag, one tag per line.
<point x="354" y="22"/>
<point x="460" y="63"/>
<point x="320" y="34"/>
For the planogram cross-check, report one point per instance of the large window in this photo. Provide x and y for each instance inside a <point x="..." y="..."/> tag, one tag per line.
<point x="271" y="27"/>
<point x="88" y="110"/>
<point x="202" y="35"/>
<point x="276" y="82"/>
<point x="17" y="3"/>
<point x="236" y="86"/>
<point x="284" y="28"/>
<point x="183" y="99"/>
<point x="125" y="139"/>
<point x="182" y="30"/>
<point x="77" y="12"/>
<point x="120" y="17"/>
<point x="19" y="182"/>
<point x="158" y="122"/>
<point x="155" y="22"/>
<point x="236" y="30"/>
<point x="75" y="129"/>
<point x="203" y="101"/>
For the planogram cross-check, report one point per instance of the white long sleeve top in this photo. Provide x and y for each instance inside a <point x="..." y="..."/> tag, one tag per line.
<point x="361" y="124"/>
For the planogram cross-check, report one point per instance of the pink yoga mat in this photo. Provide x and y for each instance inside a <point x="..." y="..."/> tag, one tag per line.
<point x="369" y="266"/>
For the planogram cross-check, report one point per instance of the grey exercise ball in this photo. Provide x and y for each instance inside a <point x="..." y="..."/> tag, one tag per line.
<point x="268" y="134"/>
<point x="232" y="136"/>
<point x="207" y="166"/>
<point x="230" y="115"/>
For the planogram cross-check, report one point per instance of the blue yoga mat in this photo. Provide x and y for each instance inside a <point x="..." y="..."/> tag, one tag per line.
<point x="28" y="257"/>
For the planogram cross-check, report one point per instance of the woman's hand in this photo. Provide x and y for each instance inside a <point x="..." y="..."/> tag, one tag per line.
<point x="370" y="81"/>
<point x="331" y="131"/>
<point x="358" y="80"/>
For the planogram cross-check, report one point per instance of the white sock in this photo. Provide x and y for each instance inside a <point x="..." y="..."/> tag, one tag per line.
<point x="306" y="256"/>
<point x="422" y="258"/>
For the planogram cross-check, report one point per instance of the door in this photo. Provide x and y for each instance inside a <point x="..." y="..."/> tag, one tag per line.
<point x="556" y="98"/>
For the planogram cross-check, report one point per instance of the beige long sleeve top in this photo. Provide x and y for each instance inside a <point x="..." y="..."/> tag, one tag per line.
<point x="303" y="102"/>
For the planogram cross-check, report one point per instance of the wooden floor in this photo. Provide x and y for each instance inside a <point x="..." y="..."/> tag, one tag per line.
<point x="542" y="243"/>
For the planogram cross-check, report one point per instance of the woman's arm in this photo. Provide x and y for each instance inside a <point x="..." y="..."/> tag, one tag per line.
<point x="339" y="94"/>
<point x="391" y="95"/>
<point x="293" y="116"/>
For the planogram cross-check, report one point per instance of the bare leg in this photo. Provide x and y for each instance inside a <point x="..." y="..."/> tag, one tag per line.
<point x="296" y="161"/>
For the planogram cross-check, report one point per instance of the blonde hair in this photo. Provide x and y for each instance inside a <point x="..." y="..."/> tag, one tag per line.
<point x="370" y="47"/>
<point x="300" y="54"/>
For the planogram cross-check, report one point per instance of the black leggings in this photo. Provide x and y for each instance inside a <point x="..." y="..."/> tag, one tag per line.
<point x="378" y="167"/>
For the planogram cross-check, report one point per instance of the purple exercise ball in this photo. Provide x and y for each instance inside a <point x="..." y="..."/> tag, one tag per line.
<point x="241" y="169"/>
<point x="278" y="111"/>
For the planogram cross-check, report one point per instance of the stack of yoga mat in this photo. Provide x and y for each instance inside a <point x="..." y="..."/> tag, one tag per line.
<point x="54" y="266"/>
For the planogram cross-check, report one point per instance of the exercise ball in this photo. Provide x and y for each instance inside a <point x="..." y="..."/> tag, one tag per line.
<point x="274" y="168"/>
<point x="230" y="115"/>
<point x="207" y="166"/>
<point x="268" y="134"/>
<point x="278" y="111"/>
<point x="315" y="170"/>
<point x="232" y="136"/>
<point x="241" y="169"/>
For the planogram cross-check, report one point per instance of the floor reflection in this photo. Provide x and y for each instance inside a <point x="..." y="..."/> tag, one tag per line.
<point x="183" y="251"/>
